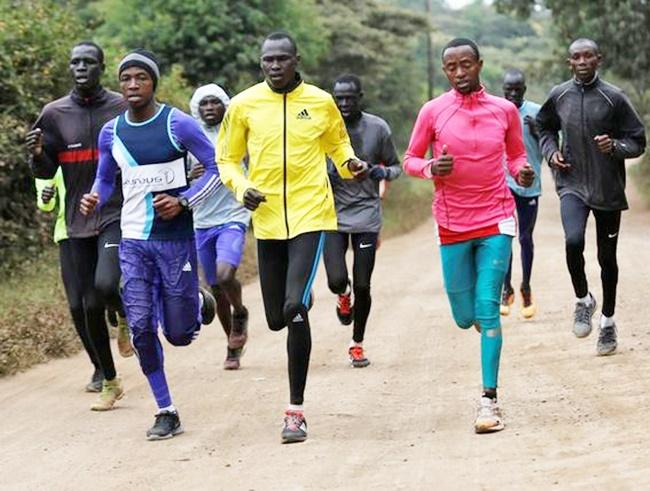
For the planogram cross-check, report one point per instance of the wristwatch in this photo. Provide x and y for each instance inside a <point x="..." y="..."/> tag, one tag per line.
<point x="182" y="200"/>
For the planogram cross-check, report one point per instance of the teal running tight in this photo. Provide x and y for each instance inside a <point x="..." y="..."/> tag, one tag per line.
<point x="473" y="273"/>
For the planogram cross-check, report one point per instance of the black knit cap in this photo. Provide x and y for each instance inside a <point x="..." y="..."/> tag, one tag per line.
<point x="144" y="59"/>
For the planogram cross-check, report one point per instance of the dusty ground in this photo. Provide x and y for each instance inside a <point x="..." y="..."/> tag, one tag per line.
<point x="574" y="420"/>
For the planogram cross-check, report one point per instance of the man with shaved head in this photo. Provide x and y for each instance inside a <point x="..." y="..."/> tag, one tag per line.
<point x="599" y="129"/>
<point x="526" y="199"/>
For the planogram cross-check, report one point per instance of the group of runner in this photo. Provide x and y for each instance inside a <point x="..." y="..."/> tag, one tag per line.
<point x="146" y="193"/>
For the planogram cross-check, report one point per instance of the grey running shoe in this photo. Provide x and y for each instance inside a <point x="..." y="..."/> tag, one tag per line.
<point x="295" y="427"/>
<point x="582" y="318"/>
<point x="167" y="425"/>
<point x="95" y="384"/>
<point x="607" y="343"/>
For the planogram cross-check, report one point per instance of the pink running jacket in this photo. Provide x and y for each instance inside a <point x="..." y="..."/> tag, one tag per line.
<point x="479" y="130"/>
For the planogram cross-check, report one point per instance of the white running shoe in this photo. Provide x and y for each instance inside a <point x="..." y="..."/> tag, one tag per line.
<point x="488" y="417"/>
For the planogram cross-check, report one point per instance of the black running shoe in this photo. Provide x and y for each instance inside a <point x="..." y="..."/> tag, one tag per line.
<point x="238" y="330"/>
<point x="166" y="426"/>
<point x="295" y="427"/>
<point x="209" y="309"/>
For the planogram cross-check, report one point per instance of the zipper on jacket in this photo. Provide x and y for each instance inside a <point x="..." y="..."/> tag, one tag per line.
<point x="92" y="157"/>
<point x="585" y="143"/>
<point x="284" y="163"/>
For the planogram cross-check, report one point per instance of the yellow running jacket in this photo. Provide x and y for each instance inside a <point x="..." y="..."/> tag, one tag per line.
<point x="287" y="136"/>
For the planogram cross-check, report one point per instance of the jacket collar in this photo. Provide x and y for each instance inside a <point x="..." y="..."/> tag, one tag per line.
<point x="290" y="88"/>
<point x="471" y="97"/>
<point x="96" y="97"/>
<point x="587" y="85"/>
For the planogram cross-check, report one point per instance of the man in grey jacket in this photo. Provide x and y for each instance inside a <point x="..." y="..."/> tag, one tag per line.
<point x="600" y="129"/>
<point x="358" y="210"/>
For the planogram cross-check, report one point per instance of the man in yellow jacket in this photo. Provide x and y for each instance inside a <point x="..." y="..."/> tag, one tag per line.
<point x="287" y="127"/>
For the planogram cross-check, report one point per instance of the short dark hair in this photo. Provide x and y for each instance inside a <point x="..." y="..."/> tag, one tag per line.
<point x="454" y="43"/>
<point x="349" y="78"/>
<point x="279" y="35"/>
<point x="515" y="73"/>
<point x="100" y="51"/>
<point x="585" y="41"/>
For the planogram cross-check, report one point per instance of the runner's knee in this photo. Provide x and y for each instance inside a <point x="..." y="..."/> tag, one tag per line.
<point x="338" y="285"/>
<point x="292" y="310"/>
<point x="462" y="308"/>
<point x="275" y="322"/>
<point x="180" y="338"/>
<point x="225" y="277"/>
<point x="607" y="261"/>
<point x="145" y="345"/>
<point x="574" y="242"/>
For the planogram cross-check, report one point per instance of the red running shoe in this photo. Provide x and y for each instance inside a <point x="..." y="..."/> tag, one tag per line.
<point x="357" y="358"/>
<point x="295" y="427"/>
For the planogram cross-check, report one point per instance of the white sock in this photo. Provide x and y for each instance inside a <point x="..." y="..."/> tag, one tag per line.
<point x="348" y="288"/>
<point x="586" y="300"/>
<point x="353" y="343"/>
<point x="606" y="321"/>
<point x="201" y="300"/>
<point x="169" y="408"/>
<point x="296" y="407"/>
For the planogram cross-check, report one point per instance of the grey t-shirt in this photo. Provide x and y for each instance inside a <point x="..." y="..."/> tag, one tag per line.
<point x="358" y="206"/>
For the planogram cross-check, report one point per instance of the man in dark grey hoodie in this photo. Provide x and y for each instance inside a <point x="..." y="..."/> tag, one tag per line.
<point x="358" y="210"/>
<point x="600" y="129"/>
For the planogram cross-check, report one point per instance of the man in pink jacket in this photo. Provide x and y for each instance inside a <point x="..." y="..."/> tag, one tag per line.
<point x="470" y="133"/>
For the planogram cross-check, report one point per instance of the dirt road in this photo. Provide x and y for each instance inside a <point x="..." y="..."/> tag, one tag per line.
<point x="574" y="420"/>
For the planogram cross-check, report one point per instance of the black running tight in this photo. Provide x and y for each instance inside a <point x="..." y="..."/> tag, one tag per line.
<point x="574" y="220"/>
<point x="95" y="275"/>
<point x="364" y="247"/>
<point x="287" y="269"/>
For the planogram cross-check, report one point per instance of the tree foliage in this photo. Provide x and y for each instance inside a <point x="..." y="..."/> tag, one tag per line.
<point x="35" y="40"/>
<point x="197" y="42"/>
<point x="212" y="40"/>
<point x="620" y="27"/>
<point x="376" y="42"/>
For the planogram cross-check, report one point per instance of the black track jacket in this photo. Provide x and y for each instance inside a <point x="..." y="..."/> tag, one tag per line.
<point x="582" y="111"/>
<point x="70" y="127"/>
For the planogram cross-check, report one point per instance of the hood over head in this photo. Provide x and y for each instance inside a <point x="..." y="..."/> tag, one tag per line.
<point x="204" y="91"/>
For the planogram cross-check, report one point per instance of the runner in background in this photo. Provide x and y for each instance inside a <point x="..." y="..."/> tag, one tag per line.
<point x="220" y="225"/>
<point x="50" y="195"/>
<point x="358" y="211"/>
<point x="65" y="137"/>
<point x="526" y="199"/>
<point x="600" y="129"/>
